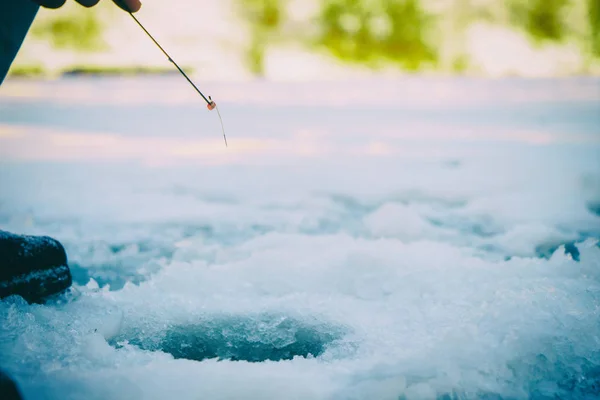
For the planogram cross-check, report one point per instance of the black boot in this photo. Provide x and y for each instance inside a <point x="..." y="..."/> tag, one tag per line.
<point x="32" y="267"/>
<point x="8" y="388"/>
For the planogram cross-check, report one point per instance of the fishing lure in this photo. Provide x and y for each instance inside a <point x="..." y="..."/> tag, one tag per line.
<point x="210" y="104"/>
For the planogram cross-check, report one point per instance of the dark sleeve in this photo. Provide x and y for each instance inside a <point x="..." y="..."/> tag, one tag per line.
<point x="16" y="17"/>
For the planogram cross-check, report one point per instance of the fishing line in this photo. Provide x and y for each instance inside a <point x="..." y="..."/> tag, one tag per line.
<point x="221" y="119"/>
<point x="210" y="104"/>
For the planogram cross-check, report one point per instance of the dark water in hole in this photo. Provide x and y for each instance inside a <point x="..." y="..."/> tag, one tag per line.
<point x="242" y="338"/>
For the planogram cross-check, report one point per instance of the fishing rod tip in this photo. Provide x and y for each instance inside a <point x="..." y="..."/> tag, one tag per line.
<point x="211" y="106"/>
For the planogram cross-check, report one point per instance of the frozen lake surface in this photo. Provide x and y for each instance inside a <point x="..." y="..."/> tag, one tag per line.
<point x="412" y="239"/>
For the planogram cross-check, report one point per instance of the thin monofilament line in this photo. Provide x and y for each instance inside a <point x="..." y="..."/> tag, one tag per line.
<point x="222" y="127"/>
<point x="169" y="57"/>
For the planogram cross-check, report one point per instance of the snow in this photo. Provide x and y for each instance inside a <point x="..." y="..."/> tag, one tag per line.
<point x="416" y="272"/>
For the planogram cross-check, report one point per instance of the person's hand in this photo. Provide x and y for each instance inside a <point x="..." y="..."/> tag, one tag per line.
<point x="126" y="5"/>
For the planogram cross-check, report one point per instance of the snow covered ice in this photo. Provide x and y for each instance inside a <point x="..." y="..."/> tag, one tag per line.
<point x="421" y="247"/>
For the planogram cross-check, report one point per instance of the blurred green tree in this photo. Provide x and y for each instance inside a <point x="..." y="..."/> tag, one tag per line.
<point x="366" y="31"/>
<point x="542" y="19"/>
<point x="594" y="21"/>
<point x="82" y="32"/>
<point x="264" y="18"/>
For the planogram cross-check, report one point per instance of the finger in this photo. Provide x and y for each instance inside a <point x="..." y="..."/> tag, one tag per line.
<point x="129" y="5"/>
<point x="88" y="3"/>
<point x="50" y="3"/>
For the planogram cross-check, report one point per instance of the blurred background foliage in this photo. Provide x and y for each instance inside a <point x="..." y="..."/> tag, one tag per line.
<point x="415" y="34"/>
<point x="77" y="31"/>
<point x="594" y="22"/>
<point x="366" y="31"/>
<point x="264" y="19"/>
<point x="412" y="35"/>
<point x="542" y="19"/>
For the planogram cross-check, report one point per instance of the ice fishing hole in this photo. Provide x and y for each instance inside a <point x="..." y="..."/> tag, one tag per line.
<point x="252" y="338"/>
